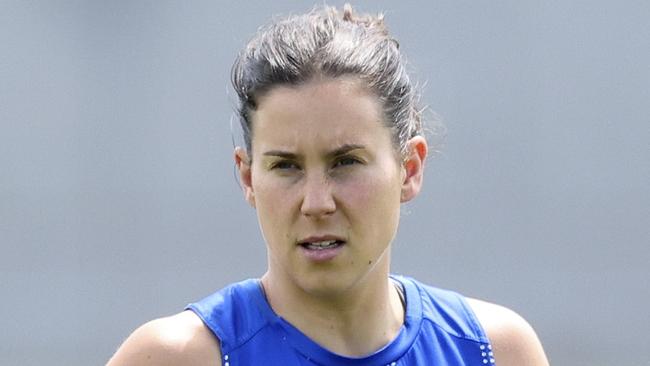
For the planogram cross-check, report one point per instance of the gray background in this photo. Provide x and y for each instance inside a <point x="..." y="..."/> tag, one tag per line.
<point x="118" y="202"/>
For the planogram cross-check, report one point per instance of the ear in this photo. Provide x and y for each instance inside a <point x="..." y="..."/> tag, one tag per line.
<point x="413" y="168"/>
<point x="243" y="164"/>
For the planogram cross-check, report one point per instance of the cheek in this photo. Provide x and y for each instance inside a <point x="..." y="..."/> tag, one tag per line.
<point x="275" y="227"/>
<point x="272" y="198"/>
<point x="269" y="190"/>
<point x="372" y="195"/>
<point x="273" y="203"/>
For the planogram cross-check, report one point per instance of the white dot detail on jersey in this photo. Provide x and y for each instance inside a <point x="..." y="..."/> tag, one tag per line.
<point x="486" y="353"/>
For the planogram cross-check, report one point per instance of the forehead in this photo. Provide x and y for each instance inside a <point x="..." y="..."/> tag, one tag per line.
<point x="327" y="111"/>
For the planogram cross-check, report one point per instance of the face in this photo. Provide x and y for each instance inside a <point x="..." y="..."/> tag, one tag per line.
<point x="327" y="184"/>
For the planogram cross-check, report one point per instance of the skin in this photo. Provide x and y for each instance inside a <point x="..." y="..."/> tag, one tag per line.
<point x="323" y="165"/>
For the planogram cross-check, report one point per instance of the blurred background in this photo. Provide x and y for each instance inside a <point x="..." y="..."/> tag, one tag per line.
<point x="118" y="201"/>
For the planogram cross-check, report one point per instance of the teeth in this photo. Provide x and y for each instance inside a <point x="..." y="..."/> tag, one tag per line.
<point x="322" y="244"/>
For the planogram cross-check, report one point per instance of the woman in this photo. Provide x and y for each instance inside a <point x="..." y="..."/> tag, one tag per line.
<point x="333" y="146"/>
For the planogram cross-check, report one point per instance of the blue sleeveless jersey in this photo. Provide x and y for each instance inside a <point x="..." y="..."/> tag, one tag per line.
<point x="439" y="329"/>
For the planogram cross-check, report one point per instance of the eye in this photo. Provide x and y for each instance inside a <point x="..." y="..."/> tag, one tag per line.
<point x="346" y="161"/>
<point x="284" y="165"/>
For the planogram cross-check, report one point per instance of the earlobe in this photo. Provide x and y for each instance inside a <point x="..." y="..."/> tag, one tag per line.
<point x="243" y="164"/>
<point x="413" y="168"/>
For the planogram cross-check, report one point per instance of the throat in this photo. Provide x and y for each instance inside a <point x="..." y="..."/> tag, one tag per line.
<point x="355" y="328"/>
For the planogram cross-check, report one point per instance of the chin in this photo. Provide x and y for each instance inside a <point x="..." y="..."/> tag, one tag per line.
<point x="326" y="284"/>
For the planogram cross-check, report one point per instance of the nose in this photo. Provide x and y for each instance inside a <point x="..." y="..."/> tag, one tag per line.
<point x="318" y="201"/>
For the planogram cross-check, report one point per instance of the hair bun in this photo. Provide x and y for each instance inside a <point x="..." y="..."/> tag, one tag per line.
<point x="347" y="12"/>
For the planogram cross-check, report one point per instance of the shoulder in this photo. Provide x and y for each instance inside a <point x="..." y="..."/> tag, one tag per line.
<point x="513" y="340"/>
<point x="181" y="339"/>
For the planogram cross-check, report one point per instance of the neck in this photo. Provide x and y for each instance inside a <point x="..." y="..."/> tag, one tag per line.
<point x="354" y="323"/>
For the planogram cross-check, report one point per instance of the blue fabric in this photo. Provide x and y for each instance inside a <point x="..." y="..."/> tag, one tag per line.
<point x="439" y="329"/>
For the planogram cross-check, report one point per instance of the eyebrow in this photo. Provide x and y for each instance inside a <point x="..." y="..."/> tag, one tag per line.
<point x="334" y="153"/>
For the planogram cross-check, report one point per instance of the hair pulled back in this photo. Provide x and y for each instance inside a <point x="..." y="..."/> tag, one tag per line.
<point x="324" y="42"/>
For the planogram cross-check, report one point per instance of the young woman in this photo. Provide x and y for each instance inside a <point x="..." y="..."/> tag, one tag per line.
<point x="333" y="146"/>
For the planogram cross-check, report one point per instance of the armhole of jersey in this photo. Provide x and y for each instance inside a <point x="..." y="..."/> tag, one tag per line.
<point x="214" y="328"/>
<point x="471" y="317"/>
<point x="485" y="346"/>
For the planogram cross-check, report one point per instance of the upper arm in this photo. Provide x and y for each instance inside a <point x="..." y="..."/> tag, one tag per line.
<point x="513" y="340"/>
<point x="181" y="339"/>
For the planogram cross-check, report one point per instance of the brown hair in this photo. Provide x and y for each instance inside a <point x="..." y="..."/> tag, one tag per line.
<point x="324" y="42"/>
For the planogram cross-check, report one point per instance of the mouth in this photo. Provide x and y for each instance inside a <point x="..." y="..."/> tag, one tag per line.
<point x="322" y="249"/>
<point x="321" y="244"/>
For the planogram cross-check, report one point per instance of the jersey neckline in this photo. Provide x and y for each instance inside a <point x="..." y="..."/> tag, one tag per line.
<point x="392" y="352"/>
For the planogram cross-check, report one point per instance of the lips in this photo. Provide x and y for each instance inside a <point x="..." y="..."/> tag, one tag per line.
<point x="321" y="242"/>
<point x="322" y="245"/>
<point x="321" y="249"/>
